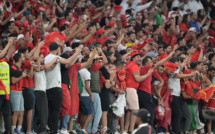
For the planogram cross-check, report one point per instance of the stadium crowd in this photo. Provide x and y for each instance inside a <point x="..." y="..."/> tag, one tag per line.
<point x="107" y="66"/>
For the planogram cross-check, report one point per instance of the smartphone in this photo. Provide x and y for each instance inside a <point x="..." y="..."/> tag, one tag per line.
<point x="26" y="71"/>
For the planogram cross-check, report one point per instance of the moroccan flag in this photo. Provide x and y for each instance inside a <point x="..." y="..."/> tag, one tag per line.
<point x="50" y="38"/>
<point x="192" y="89"/>
<point x="196" y="54"/>
<point x="74" y="92"/>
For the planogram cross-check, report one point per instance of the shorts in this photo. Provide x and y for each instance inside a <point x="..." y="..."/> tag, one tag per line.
<point x="86" y="105"/>
<point x="105" y="99"/>
<point x="28" y="99"/>
<point x="17" y="101"/>
<point x="132" y="101"/>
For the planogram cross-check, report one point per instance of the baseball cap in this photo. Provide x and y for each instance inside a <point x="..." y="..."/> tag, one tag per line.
<point x="26" y="13"/>
<point x="152" y="54"/>
<point x="134" y="53"/>
<point x="144" y="115"/>
<point x="20" y="36"/>
<point x="53" y="46"/>
<point x="192" y="29"/>
<point x="101" y="31"/>
<point x="67" y="49"/>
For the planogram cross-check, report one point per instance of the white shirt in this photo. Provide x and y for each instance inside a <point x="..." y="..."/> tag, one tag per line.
<point x="53" y="77"/>
<point x="121" y="47"/>
<point x="196" y="6"/>
<point x="40" y="81"/>
<point x="174" y="83"/>
<point x="139" y="8"/>
<point x="187" y="6"/>
<point x="85" y="76"/>
<point x="182" y="13"/>
<point x="175" y="3"/>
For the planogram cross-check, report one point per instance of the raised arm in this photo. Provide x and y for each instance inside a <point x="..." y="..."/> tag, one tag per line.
<point x="191" y="52"/>
<point x="4" y="51"/>
<point x="73" y="57"/>
<point x="161" y="62"/>
<point x="90" y="60"/>
<point x="104" y="58"/>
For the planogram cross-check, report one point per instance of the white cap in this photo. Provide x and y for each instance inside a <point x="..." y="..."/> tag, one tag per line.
<point x="20" y="36"/>
<point x="67" y="49"/>
<point x="192" y="29"/>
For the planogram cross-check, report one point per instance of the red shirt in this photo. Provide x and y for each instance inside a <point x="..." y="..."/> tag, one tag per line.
<point x="146" y="84"/>
<point x="17" y="86"/>
<point x="165" y="78"/>
<point x="36" y="35"/>
<point x="169" y="39"/>
<point x="132" y="68"/>
<point x="27" y="66"/>
<point x="162" y="56"/>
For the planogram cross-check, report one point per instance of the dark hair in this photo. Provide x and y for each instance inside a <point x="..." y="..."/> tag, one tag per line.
<point x="128" y="26"/>
<point x="174" y="60"/>
<point x="211" y="56"/>
<point x="179" y="39"/>
<point x="145" y="60"/>
<point x="85" y="59"/>
<point x="185" y="20"/>
<point x="165" y="46"/>
<point x="211" y="68"/>
<point x="109" y="60"/>
<point x="167" y="27"/>
<point x="109" y="48"/>
<point x="109" y="54"/>
<point x="17" y="56"/>
<point x="194" y="64"/>
<point x="199" y="35"/>
<point x="137" y="31"/>
<point x="75" y="44"/>
<point x="145" y="25"/>
<point x="210" y="50"/>
<point x="128" y="11"/>
<point x="160" y="47"/>
<point x="119" y="63"/>
<point x="37" y="13"/>
<point x="22" y="50"/>
<point x="130" y="33"/>
<point x="122" y="52"/>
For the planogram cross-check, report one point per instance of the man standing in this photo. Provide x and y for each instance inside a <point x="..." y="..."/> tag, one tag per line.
<point x="53" y="86"/>
<point x="16" y="97"/>
<point x="5" y="73"/>
<point x="144" y="90"/>
<point x="132" y="83"/>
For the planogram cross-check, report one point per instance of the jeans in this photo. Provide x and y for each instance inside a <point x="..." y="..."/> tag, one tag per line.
<point x="55" y="98"/>
<point x="34" y="98"/>
<point x="65" y="121"/>
<point x="6" y="110"/>
<point x="41" y="110"/>
<point x="94" y="123"/>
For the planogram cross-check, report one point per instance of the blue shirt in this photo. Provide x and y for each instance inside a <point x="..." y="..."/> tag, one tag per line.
<point x="193" y="24"/>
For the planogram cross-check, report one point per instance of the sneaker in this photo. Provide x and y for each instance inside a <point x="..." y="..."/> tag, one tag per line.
<point x="82" y="132"/>
<point x="64" y="131"/>
<point x="15" y="131"/>
<point x="21" y="131"/>
<point x="124" y="133"/>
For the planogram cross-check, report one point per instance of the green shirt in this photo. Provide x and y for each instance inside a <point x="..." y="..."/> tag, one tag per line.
<point x="159" y="18"/>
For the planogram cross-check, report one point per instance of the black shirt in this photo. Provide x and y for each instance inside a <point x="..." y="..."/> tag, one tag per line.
<point x="15" y="73"/>
<point x="64" y="70"/>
